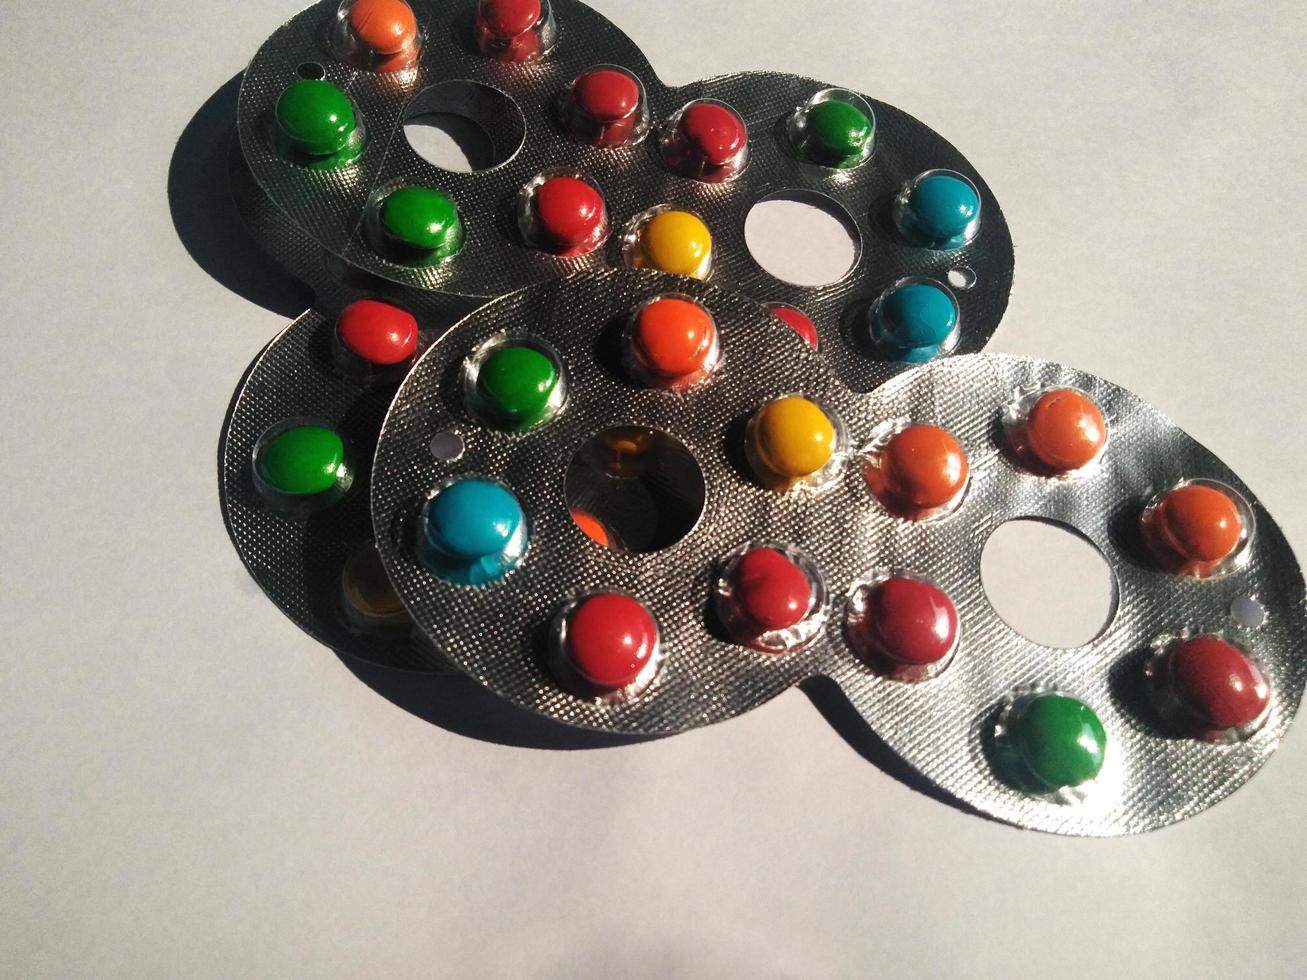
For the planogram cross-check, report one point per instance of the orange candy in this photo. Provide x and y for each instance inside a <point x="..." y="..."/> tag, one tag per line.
<point x="385" y="26"/>
<point x="1065" y="430"/>
<point x="1193" y="529"/>
<point x="673" y="341"/>
<point x="921" y="470"/>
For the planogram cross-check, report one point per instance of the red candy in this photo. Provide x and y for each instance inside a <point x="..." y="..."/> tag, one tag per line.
<point x="606" y="95"/>
<point x="771" y="590"/>
<point x="610" y="640"/>
<point x="506" y="19"/>
<point x="377" y="332"/>
<point x="1215" y="684"/>
<point x="715" y="131"/>
<point x="797" y="321"/>
<point x="569" y="212"/>
<point x="709" y="142"/>
<point x="507" y="29"/>
<point x="908" y="623"/>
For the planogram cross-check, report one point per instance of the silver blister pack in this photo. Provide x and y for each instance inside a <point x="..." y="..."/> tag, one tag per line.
<point x="517" y="105"/>
<point x="299" y="559"/>
<point x="942" y="726"/>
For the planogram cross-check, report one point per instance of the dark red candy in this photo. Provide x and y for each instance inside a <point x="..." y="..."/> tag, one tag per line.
<point x="505" y="19"/>
<point x="610" y="640"/>
<point x="716" y="132"/>
<point x="771" y="590"/>
<point x="1216" y="683"/>
<point x="377" y="332"/>
<point x="909" y="622"/>
<point x="606" y="95"/>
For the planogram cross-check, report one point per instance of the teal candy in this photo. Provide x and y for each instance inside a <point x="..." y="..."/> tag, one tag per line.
<point x="473" y="519"/>
<point x="914" y="320"/>
<point x="941" y="207"/>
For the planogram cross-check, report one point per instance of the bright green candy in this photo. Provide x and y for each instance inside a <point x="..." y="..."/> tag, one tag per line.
<point x="422" y="220"/>
<point x="1058" y="740"/>
<point x="315" y="117"/>
<point x="838" y="132"/>
<point x="302" y="461"/>
<point x="517" y="382"/>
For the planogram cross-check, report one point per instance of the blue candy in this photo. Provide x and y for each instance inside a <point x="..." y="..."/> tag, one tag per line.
<point x="939" y="209"/>
<point x="912" y="321"/>
<point x="473" y="532"/>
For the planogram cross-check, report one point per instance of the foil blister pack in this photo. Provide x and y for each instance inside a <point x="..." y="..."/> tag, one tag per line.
<point x="309" y="544"/>
<point x="700" y="156"/>
<point x="965" y="696"/>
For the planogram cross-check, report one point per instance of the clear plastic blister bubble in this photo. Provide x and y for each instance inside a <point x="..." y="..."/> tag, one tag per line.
<point x="953" y="721"/>
<point x="771" y="597"/>
<point x="1058" y="433"/>
<point x="572" y="93"/>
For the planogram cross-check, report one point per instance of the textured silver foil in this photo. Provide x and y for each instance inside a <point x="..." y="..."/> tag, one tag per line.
<point x="497" y="634"/>
<point x="326" y="209"/>
<point x="298" y="561"/>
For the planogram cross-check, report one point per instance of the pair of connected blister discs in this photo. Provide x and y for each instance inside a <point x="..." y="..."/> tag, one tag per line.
<point x="639" y="502"/>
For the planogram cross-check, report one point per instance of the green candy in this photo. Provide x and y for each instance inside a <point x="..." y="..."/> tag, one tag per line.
<point x="315" y="118"/>
<point x="418" y="219"/>
<point x="516" y="383"/>
<point x="838" y="134"/>
<point x="302" y="461"/>
<point x="1058" y="741"/>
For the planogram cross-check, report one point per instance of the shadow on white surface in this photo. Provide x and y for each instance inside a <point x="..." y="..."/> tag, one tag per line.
<point x="205" y="217"/>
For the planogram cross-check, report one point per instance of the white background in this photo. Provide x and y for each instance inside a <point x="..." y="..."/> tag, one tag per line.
<point x="191" y="787"/>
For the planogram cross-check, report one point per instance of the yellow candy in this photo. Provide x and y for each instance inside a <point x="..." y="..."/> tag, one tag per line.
<point x="675" y="241"/>
<point x="368" y="591"/>
<point x="792" y="437"/>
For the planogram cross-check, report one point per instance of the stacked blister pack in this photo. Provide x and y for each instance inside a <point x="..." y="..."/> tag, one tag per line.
<point x="550" y="425"/>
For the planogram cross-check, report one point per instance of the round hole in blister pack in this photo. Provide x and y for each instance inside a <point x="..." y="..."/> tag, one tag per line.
<point x="1048" y="582"/>
<point x="634" y="489"/>
<point x="802" y="237"/>
<point x="464" y="126"/>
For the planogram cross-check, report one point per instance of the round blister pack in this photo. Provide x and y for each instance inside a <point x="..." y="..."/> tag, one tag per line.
<point x="295" y="461"/>
<point x="591" y="162"/>
<point x="630" y="551"/>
